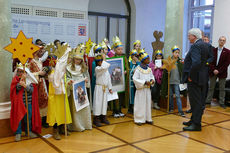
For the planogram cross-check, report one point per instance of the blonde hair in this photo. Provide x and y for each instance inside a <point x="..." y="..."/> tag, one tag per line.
<point x="84" y="67"/>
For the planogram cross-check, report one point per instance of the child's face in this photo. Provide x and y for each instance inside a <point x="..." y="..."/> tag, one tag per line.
<point x="176" y="54"/>
<point x="119" y="50"/>
<point x="19" y="72"/>
<point x="146" y="61"/>
<point x="158" y="57"/>
<point x="137" y="46"/>
<point x="77" y="61"/>
<point x="99" y="63"/>
<point x="105" y="51"/>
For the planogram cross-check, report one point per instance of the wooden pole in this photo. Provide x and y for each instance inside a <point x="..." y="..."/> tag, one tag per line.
<point x="168" y="91"/>
<point x="65" y="105"/>
<point x="28" y="133"/>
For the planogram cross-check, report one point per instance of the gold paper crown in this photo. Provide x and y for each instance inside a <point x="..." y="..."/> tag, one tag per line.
<point x="133" y="52"/>
<point x="78" y="52"/>
<point x="98" y="58"/>
<point x="141" y="51"/>
<point x="50" y="48"/>
<point x="175" y="48"/>
<point x="96" y="48"/>
<point x="103" y="45"/>
<point x="116" y="42"/>
<point x="158" y="52"/>
<point x="137" y="42"/>
<point x="143" y="57"/>
<point x="61" y="49"/>
<point x="21" y="66"/>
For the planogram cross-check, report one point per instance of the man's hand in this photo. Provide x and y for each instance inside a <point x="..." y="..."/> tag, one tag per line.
<point x="216" y="72"/>
<point x="110" y="91"/>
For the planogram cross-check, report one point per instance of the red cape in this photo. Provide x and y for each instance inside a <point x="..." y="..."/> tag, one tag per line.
<point x="18" y="109"/>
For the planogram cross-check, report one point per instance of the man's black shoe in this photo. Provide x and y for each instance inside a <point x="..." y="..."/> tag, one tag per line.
<point x="187" y="123"/>
<point x="189" y="111"/>
<point x="192" y="127"/>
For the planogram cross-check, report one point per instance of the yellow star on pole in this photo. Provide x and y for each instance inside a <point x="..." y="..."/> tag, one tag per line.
<point x="21" y="48"/>
<point x="169" y="64"/>
<point x="88" y="45"/>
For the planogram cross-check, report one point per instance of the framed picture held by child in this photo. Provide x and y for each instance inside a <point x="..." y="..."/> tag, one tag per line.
<point x="116" y="71"/>
<point x="80" y="95"/>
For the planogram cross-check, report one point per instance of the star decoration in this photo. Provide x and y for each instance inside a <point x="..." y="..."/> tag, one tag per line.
<point x="169" y="64"/>
<point x="21" y="48"/>
<point x="88" y="45"/>
<point x="61" y="49"/>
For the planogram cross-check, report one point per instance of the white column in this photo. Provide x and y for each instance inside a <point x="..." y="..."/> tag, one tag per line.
<point x="5" y="57"/>
<point x="173" y="25"/>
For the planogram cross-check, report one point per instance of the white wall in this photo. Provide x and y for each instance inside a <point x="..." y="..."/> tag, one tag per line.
<point x="108" y="6"/>
<point x="221" y="26"/>
<point x="80" y="5"/>
<point x="150" y="16"/>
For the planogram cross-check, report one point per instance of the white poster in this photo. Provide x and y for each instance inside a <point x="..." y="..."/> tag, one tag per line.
<point x="72" y="31"/>
<point x="80" y="95"/>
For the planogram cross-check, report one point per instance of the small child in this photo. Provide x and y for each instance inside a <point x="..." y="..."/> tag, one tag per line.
<point x="158" y="73"/>
<point x="21" y="82"/>
<point x="118" y="49"/>
<point x="103" y="85"/>
<point x="143" y="79"/>
<point x="78" y="70"/>
<point x="132" y="65"/>
<point x="175" y="80"/>
<point x="137" y="47"/>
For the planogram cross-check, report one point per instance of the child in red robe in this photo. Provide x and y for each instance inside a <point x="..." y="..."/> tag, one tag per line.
<point x="21" y="82"/>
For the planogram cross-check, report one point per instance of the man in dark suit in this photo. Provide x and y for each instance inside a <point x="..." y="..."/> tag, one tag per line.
<point x="195" y="74"/>
<point x="218" y="69"/>
<point x="209" y="60"/>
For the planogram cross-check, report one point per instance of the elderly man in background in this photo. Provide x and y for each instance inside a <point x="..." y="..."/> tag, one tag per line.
<point x="195" y="74"/>
<point x="219" y="69"/>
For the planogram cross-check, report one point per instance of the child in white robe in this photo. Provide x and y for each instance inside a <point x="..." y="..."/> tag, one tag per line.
<point x="143" y="79"/>
<point x="102" y="87"/>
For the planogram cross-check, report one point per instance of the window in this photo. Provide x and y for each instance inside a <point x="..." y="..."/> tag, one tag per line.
<point x="201" y="16"/>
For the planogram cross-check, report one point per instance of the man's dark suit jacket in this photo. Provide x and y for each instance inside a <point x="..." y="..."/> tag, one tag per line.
<point x="223" y="63"/>
<point x="195" y="63"/>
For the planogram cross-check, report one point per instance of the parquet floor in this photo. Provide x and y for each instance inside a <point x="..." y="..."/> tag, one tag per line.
<point x="123" y="136"/>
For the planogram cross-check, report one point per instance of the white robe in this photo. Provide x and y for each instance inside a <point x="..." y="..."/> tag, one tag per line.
<point x="142" y="100"/>
<point x="103" y="81"/>
<point x="59" y="72"/>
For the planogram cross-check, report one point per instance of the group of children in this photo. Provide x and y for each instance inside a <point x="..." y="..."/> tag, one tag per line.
<point x="49" y="79"/>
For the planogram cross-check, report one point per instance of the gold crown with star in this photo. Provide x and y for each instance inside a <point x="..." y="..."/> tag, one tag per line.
<point x="133" y="52"/>
<point x="143" y="57"/>
<point x="116" y="42"/>
<point x="137" y="42"/>
<point x="174" y="48"/>
<point x="78" y="52"/>
<point x="158" y="52"/>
